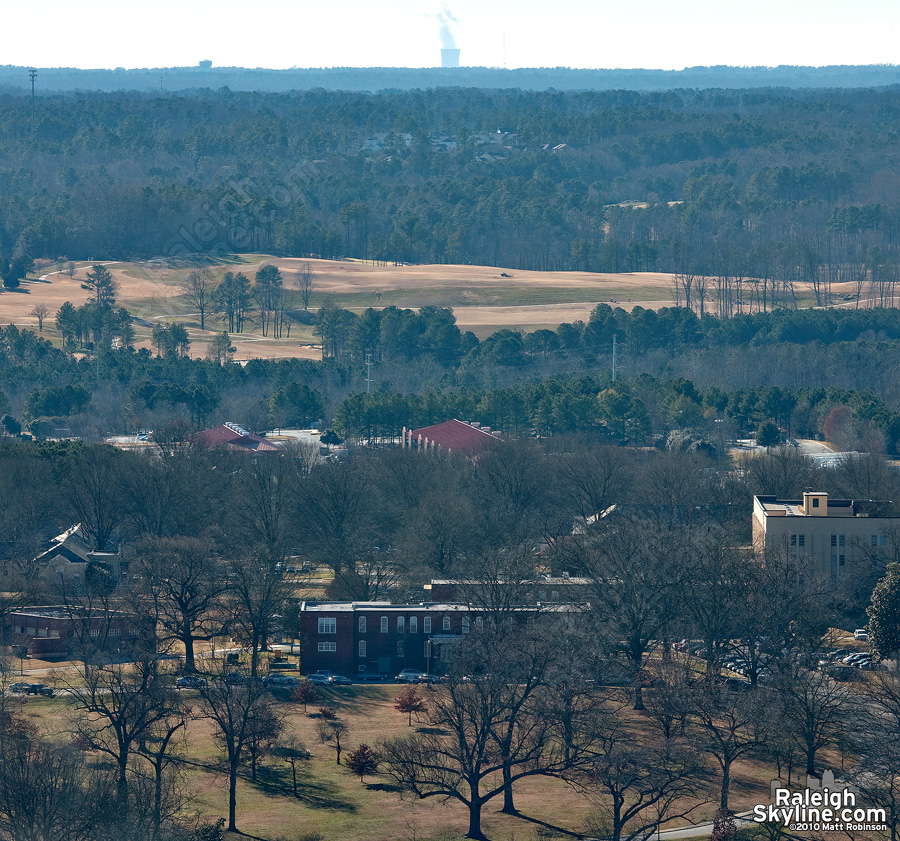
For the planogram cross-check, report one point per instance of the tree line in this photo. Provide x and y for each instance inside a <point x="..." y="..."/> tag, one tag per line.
<point x="755" y="190"/>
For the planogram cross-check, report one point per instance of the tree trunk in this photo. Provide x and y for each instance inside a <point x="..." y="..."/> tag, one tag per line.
<point x="726" y="784"/>
<point x="638" y="696"/>
<point x="475" y="821"/>
<point x="187" y="640"/>
<point x="122" y="783"/>
<point x="509" y="807"/>
<point x="810" y="760"/>
<point x="232" y="796"/>
<point x="157" y="800"/>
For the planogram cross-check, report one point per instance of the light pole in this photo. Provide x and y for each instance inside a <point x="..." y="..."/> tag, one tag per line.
<point x="32" y="73"/>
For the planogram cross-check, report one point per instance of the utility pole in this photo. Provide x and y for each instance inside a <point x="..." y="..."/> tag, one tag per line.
<point x="32" y="73"/>
<point x="368" y="373"/>
<point x="614" y="360"/>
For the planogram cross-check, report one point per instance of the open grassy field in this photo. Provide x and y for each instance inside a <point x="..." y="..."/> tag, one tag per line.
<point x="484" y="298"/>
<point x="333" y="804"/>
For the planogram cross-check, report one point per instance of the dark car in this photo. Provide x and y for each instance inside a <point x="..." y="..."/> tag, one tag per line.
<point x="19" y="686"/>
<point x="340" y="680"/>
<point x="39" y="689"/>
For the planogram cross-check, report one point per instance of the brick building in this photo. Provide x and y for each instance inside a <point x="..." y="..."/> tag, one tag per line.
<point x="380" y="638"/>
<point x="354" y="638"/>
<point x="54" y="632"/>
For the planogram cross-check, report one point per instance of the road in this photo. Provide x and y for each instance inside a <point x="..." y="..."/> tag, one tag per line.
<point x="701" y="830"/>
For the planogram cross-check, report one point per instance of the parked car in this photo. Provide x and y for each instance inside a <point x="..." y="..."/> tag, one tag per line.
<point x="190" y="682"/>
<point x="19" y="686"/>
<point x="320" y="678"/>
<point x="852" y="658"/>
<point x="236" y="678"/>
<point x="861" y="634"/>
<point x="39" y="689"/>
<point x="411" y="676"/>
<point x="680" y="645"/>
<point x="340" y="680"/>
<point x="280" y="680"/>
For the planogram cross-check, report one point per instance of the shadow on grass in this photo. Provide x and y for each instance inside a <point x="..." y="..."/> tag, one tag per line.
<point x="570" y="833"/>
<point x="315" y="793"/>
<point x="383" y="787"/>
<point x="433" y="731"/>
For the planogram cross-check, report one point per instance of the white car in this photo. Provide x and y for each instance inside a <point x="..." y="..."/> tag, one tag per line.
<point x="861" y="634"/>
<point x="280" y="680"/>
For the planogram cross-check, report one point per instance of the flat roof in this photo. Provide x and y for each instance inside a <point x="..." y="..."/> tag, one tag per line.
<point x="434" y="607"/>
<point x="772" y="506"/>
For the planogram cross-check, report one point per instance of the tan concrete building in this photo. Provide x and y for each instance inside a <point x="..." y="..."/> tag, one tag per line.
<point x="830" y="533"/>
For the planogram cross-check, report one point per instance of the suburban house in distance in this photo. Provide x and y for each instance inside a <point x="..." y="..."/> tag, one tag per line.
<point x="69" y="555"/>
<point x="827" y="532"/>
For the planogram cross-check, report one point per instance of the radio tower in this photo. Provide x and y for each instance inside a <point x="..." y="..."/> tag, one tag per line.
<point x="32" y="73"/>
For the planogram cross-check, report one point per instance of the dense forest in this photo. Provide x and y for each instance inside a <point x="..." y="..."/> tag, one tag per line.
<point x="687" y="384"/>
<point x="773" y="185"/>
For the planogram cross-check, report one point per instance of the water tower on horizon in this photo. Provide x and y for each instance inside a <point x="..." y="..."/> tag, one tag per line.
<point x="450" y="58"/>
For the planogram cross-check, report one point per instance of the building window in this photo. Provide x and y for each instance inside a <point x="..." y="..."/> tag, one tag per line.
<point x="401" y="624"/>
<point x="399" y="648"/>
<point x="95" y="632"/>
<point x="874" y="539"/>
<point x="426" y="625"/>
<point x="479" y="622"/>
<point x="834" y="540"/>
<point x="815" y="502"/>
<point x="327" y="625"/>
<point x="413" y="624"/>
<point x="793" y="540"/>
<point x="54" y="634"/>
<point x="42" y="632"/>
<point x="801" y="540"/>
<point x="362" y="648"/>
<point x="362" y="624"/>
<point x="841" y="540"/>
<point x="384" y="624"/>
<point x="115" y="632"/>
<point x="465" y="624"/>
<point x="446" y="623"/>
<point x="327" y="646"/>
<point x="554" y="596"/>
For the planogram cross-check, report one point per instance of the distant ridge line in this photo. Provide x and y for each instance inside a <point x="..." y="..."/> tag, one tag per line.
<point x="375" y="79"/>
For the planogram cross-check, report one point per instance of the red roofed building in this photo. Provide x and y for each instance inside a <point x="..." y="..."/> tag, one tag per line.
<point x="454" y="436"/>
<point x="234" y="437"/>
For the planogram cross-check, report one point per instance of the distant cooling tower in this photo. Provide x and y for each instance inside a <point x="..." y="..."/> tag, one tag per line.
<point x="449" y="58"/>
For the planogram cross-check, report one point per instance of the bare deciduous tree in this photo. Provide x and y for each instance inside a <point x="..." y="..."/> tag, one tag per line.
<point x="200" y="288"/>
<point x="231" y="707"/>
<point x="306" y="282"/>
<point x="40" y="312"/>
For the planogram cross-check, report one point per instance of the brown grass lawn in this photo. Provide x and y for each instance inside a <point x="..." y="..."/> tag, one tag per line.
<point x="483" y="300"/>
<point x="334" y="805"/>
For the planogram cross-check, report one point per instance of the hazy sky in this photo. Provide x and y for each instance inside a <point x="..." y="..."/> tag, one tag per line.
<point x="406" y="33"/>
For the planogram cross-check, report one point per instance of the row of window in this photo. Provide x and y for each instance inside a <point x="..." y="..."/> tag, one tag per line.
<point x="837" y="540"/>
<point x="330" y="647"/>
<point x="39" y="632"/>
<point x="328" y="625"/>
